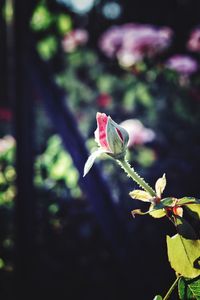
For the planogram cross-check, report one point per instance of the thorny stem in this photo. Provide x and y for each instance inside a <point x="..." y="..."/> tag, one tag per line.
<point x="171" y="289"/>
<point x="140" y="181"/>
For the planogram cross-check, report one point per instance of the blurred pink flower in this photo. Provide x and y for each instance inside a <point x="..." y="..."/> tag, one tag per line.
<point x="193" y="43"/>
<point x="130" y="43"/>
<point x="138" y="134"/>
<point x="111" y="41"/>
<point x="73" y="39"/>
<point x="104" y="100"/>
<point x="6" y="143"/>
<point x="182" y="64"/>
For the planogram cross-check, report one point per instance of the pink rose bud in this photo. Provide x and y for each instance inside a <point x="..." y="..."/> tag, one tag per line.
<point x="111" y="138"/>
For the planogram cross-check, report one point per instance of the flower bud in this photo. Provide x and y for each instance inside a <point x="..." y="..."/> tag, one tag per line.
<point x="110" y="136"/>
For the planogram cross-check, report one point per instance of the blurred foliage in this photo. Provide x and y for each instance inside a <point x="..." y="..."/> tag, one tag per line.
<point x="7" y="174"/>
<point x="47" y="47"/>
<point x="42" y="18"/>
<point x="55" y="179"/>
<point x="8" y="11"/>
<point x="49" y="27"/>
<point x="54" y="170"/>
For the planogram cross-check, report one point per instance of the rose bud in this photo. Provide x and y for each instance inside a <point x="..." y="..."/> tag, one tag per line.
<point x="111" y="138"/>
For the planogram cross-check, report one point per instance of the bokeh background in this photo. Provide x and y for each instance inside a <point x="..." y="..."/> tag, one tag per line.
<point x="63" y="236"/>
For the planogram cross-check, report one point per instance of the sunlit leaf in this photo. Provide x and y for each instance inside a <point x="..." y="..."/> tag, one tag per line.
<point x="160" y="185"/>
<point x="140" y="195"/>
<point x="154" y="212"/>
<point x="184" y="255"/>
<point x="157" y="213"/>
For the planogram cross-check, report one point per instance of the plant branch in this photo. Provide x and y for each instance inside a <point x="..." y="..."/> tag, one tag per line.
<point x="171" y="289"/>
<point x="140" y="181"/>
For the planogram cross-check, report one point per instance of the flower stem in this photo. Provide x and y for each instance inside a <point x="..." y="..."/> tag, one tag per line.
<point x="171" y="289"/>
<point x="140" y="181"/>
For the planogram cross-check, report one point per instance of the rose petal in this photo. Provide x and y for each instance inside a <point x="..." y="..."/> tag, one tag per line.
<point x="100" y="134"/>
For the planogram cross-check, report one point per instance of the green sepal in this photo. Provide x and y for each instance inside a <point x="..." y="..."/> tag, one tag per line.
<point x="90" y="161"/>
<point x="117" y="144"/>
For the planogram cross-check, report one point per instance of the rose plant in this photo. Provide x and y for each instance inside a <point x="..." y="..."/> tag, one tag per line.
<point x="184" y="247"/>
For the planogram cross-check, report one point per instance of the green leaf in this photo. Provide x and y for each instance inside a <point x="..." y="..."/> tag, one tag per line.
<point x="158" y="297"/>
<point x="194" y="208"/>
<point x="90" y="161"/>
<point x="189" y="289"/>
<point x="157" y="212"/>
<point x="189" y="225"/>
<point x="185" y="229"/>
<point x="154" y="212"/>
<point x="188" y="200"/>
<point x="168" y="202"/>
<point x="184" y="255"/>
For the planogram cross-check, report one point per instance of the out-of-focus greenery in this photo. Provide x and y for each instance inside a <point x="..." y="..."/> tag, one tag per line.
<point x="55" y="180"/>
<point x="42" y="18"/>
<point x="7" y="173"/>
<point x="54" y="170"/>
<point x="8" y="11"/>
<point x="47" y="47"/>
<point x="43" y="21"/>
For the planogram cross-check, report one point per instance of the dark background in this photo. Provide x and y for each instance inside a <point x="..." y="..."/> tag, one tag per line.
<point x="100" y="252"/>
